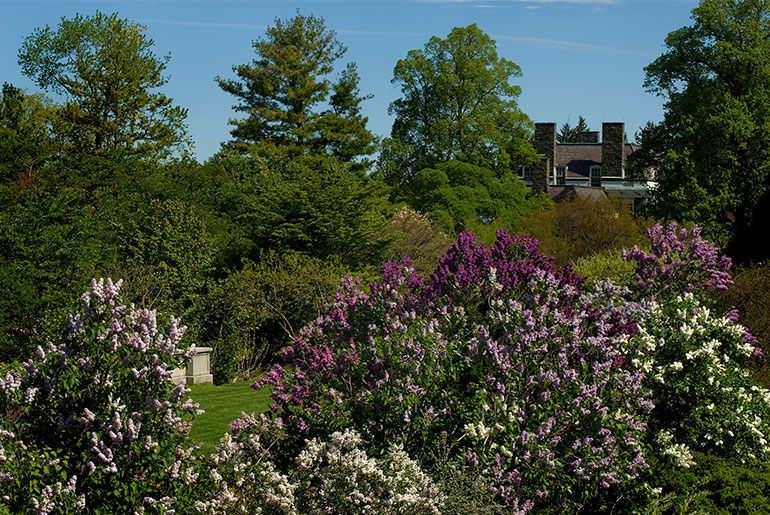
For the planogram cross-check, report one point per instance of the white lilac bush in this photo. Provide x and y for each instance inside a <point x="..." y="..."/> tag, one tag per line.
<point x="92" y="423"/>
<point x="695" y="361"/>
<point x="695" y="365"/>
<point x="328" y="477"/>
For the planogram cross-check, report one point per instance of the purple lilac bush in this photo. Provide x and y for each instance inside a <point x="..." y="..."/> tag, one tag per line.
<point x="500" y="364"/>
<point x="679" y="261"/>
<point x="93" y="422"/>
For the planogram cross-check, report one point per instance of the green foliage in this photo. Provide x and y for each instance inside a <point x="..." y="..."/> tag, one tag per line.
<point x="412" y="234"/>
<point x="712" y="147"/>
<point x="460" y="196"/>
<point x="317" y="206"/>
<point x="714" y="485"/>
<point x="165" y="255"/>
<point x="570" y="134"/>
<point x="106" y="69"/>
<point x="457" y="104"/>
<point x="750" y="295"/>
<point x="608" y="264"/>
<point x="696" y="368"/>
<point x="584" y="226"/>
<point x="282" y="90"/>
<point x="50" y="247"/>
<point x="25" y="140"/>
<point x="93" y="422"/>
<point x="258" y="309"/>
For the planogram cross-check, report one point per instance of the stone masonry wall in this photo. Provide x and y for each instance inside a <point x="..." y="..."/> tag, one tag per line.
<point x="545" y="140"/>
<point x="540" y="174"/>
<point x="613" y="157"/>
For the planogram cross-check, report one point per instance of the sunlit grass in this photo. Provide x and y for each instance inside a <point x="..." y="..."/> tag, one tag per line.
<point x="223" y="404"/>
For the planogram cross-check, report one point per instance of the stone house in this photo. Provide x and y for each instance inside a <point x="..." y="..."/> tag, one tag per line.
<point x="589" y="168"/>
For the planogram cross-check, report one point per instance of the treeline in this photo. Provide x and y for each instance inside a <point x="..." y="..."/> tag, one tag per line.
<point x="251" y="244"/>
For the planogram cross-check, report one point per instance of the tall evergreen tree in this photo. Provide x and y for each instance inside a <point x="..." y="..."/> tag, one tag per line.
<point x="282" y="91"/>
<point x="570" y="134"/>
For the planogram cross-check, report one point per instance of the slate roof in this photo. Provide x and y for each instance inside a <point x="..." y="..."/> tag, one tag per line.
<point x="559" y="193"/>
<point x="580" y="156"/>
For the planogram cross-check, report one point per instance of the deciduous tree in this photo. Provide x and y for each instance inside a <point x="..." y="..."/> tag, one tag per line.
<point x="25" y="138"/>
<point x="457" y="104"/>
<point x="106" y="70"/>
<point x="713" y="146"/>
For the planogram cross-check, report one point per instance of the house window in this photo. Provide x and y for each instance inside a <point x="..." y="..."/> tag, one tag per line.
<point x="596" y="175"/>
<point x="526" y="172"/>
<point x="561" y="175"/>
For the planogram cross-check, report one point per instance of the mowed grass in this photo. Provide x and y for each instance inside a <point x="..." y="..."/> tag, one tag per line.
<point x="223" y="404"/>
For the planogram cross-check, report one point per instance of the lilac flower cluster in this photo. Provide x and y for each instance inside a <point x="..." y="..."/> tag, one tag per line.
<point x="679" y="261"/>
<point x="97" y="412"/>
<point x="500" y="363"/>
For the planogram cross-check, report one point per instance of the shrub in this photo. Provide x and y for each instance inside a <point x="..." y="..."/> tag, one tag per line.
<point x="583" y="227"/>
<point x="333" y="476"/>
<point x="93" y="422"/>
<point x="679" y="261"/>
<point x="499" y="363"/>
<point x="750" y="295"/>
<point x="713" y="485"/>
<point x="255" y="311"/>
<point x="412" y="234"/>
<point x="607" y="265"/>
<point x="695" y="365"/>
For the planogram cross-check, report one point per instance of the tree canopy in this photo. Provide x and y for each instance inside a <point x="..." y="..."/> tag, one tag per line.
<point x="283" y="90"/>
<point x="107" y="71"/>
<point x="457" y="103"/>
<point x="25" y="139"/>
<point x="713" y="146"/>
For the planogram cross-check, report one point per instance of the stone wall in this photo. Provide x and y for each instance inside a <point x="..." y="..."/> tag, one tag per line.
<point x="588" y="137"/>
<point x="613" y="157"/>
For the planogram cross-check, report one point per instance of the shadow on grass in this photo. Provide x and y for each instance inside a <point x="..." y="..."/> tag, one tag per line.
<point x="223" y="404"/>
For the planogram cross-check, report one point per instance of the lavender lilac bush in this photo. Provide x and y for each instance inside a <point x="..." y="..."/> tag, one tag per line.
<point x="499" y="364"/>
<point x="93" y="423"/>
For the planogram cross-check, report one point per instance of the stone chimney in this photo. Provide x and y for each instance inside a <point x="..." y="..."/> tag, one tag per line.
<point x="545" y="141"/>
<point x="588" y="137"/>
<point x="613" y="155"/>
<point x="541" y="172"/>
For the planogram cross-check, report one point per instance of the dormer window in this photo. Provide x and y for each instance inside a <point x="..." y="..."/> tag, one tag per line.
<point x="595" y="173"/>
<point x="561" y="175"/>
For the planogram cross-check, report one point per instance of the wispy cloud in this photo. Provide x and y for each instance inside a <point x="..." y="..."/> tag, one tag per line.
<point x="567" y="46"/>
<point x="211" y="24"/>
<point x="255" y="26"/>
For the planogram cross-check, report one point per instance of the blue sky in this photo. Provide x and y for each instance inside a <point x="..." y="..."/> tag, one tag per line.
<point x="578" y="57"/>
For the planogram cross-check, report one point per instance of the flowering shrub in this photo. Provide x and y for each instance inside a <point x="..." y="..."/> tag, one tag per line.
<point x="695" y="365"/>
<point x="500" y="364"/>
<point x="329" y="477"/>
<point x="93" y="422"/>
<point x="679" y="261"/>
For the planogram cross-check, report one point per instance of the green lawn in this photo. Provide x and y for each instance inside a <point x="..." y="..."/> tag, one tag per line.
<point x="223" y="404"/>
